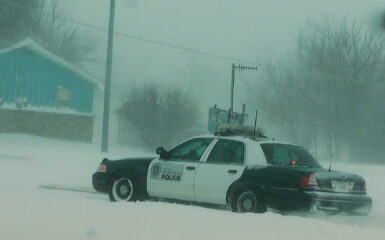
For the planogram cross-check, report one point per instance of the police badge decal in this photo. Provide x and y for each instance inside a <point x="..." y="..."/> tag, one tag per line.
<point x="156" y="169"/>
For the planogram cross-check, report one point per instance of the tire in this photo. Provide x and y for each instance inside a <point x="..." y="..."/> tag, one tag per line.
<point x="122" y="188"/>
<point x="247" y="201"/>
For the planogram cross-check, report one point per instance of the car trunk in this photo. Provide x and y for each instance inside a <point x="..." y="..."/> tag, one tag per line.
<point x="342" y="182"/>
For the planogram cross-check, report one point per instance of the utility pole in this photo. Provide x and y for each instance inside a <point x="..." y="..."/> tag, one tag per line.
<point x="232" y="87"/>
<point x="107" y="85"/>
<point x="240" y="67"/>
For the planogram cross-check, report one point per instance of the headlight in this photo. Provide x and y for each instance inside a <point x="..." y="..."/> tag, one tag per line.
<point x="101" y="168"/>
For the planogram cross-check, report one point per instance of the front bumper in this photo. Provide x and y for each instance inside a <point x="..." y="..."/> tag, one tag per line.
<point x="359" y="204"/>
<point x="100" y="182"/>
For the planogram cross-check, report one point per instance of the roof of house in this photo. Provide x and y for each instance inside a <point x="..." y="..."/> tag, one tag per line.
<point x="36" y="47"/>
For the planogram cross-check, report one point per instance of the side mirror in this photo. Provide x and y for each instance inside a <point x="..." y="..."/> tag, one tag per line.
<point x="163" y="154"/>
<point x="160" y="150"/>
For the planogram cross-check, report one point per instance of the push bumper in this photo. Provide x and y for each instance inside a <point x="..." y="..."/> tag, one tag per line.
<point x="359" y="204"/>
<point x="100" y="182"/>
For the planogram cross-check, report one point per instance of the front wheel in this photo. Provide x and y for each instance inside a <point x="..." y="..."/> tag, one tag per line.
<point x="247" y="201"/>
<point x="121" y="189"/>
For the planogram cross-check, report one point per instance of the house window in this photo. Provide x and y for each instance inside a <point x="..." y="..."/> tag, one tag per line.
<point x="63" y="97"/>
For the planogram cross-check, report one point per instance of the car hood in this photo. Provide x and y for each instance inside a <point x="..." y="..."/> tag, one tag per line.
<point x="137" y="163"/>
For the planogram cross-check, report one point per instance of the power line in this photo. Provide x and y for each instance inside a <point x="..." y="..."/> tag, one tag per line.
<point x="138" y="38"/>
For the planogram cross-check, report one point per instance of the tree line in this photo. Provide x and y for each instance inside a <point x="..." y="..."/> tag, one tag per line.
<point x="44" y="21"/>
<point x="329" y="93"/>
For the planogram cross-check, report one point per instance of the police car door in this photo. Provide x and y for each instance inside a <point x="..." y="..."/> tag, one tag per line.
<point x="174" y="177"/>
<point x="224" y="165"/>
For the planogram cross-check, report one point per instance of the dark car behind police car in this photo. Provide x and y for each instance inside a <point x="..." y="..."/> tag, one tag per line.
<point x="248" y="174"/>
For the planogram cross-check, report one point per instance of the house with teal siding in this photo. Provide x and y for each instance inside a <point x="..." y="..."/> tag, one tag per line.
<point x="34" y="79"/>
<point x="32" y="74"/>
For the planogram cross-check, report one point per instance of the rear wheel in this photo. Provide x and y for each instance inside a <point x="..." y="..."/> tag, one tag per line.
<point x="122" y="189"/>
<point x="247" y="201"/>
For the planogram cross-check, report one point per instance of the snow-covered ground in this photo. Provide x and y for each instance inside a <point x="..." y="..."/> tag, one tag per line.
<point x="30" y="212"/>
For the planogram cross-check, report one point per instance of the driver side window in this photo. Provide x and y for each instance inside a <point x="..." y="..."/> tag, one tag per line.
<point x="191" y="150"/>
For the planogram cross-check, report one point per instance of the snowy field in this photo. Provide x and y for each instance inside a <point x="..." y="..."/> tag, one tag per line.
<point x="30" y="212"/>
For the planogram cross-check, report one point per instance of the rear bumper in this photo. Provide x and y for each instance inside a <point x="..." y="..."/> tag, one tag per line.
<point x="359" y="204"/>
<point x="100" y="182"/>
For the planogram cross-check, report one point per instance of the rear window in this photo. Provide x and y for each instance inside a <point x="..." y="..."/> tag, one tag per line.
<point x="285" y="154"/>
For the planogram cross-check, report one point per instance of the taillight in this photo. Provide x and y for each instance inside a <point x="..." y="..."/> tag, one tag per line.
<point x="364" y="187"/>
<point x="309" y="181"/>
<point x="102" y="168"/>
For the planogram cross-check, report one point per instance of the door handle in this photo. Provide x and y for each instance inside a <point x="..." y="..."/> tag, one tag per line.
<point x="190" y="168"/>
<point x="232" y="171"/>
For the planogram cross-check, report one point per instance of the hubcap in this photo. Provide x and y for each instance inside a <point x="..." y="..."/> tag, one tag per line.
<point x="247" y="204"/>
<point x="122" y="189"/>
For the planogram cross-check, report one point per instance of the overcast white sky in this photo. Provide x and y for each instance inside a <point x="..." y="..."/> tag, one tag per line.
<point x="247" y="29"/>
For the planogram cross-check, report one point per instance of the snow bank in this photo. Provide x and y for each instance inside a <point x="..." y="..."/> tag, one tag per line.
<point x="29" y="212"/>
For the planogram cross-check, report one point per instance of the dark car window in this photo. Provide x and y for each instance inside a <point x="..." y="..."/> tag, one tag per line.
<point x="191" y="150"/>
<point x="286" y="154"/>
<point x="227" y="151"/>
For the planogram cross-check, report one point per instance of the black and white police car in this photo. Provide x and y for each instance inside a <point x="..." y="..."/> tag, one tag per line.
<point x="248" y="173"/>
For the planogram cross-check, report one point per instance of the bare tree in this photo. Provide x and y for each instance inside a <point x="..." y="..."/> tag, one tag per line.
<point x="19" y="18"/>
<point x="62" y="37"/>
<point x="47" y="22"/>
<point x="158" y="116"/>
<point x="328" y="91"/>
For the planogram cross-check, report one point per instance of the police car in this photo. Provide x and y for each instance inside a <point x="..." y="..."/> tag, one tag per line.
<point x="246" y="172"/>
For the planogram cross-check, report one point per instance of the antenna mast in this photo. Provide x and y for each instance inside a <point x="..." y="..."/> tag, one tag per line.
<point x="255" y="121"/>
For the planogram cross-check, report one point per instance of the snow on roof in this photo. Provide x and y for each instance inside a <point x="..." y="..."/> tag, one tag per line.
<point x="33" y="45"/>
<point x="30" y="108"/>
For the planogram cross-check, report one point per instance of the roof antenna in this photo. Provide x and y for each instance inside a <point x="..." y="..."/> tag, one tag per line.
<point x="228" y="117"/>
<point x="255" y="121"/>
<point x="330" y="164"/>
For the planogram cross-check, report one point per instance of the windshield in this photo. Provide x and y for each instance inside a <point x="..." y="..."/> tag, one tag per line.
<point x="285" y="154"/>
